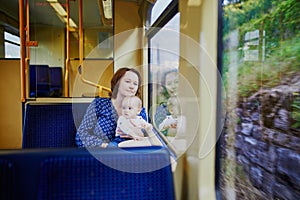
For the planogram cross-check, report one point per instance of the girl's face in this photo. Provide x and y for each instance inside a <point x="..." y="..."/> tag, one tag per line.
<point x="172" y="83"/>
<point x="129" y="84"/>
<point x="129" y="111"/>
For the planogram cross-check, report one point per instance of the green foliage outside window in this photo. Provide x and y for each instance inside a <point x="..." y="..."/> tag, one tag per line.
<point x="280" y="22"/>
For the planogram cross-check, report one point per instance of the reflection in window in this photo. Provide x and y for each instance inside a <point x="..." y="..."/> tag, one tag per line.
<point x="164" y="59"/>
<point x="261" y="75"/>
<point x="12" y="45"/>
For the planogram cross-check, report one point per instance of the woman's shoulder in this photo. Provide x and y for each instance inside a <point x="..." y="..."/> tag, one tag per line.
<point x="162" y="106"/>
<point x="102" y="105"/>
<point x="143" y="112"/>
<point x="102" y="101"/>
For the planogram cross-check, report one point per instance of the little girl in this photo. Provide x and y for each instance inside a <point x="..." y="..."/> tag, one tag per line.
<point x="130" y="125"/>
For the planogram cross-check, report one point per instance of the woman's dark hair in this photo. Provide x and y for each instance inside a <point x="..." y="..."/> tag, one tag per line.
<point x="164" y="75"/>
<point x="115" y="81"/>
<point x="164" y="92"/>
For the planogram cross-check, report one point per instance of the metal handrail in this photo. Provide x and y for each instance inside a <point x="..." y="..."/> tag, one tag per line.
<point x="80" y="68"/>
<point x="22" y="51"/>
<point x="100" y="87"/>
<point x="66" y="78"/>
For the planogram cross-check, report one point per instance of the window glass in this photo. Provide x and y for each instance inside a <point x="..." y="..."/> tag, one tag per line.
<point x="158" y="8"/>
<point x="48" y="23"/>
<point x="164" y="59"/>
<point x="261" y="62"/>
<point x="11" y="45"/>
<point x="11" y="38"/>
<point x="98" y="32"/>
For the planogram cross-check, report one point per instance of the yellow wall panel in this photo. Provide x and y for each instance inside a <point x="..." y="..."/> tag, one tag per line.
<point x="10" y="106"/>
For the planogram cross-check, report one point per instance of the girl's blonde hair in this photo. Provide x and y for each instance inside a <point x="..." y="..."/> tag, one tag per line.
<point x="133" y="100"/>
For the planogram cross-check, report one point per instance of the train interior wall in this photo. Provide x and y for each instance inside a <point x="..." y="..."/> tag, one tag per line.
<point x="10" y="107"/>
<point x="96" y="71"/>
<point x="127" y="35"/>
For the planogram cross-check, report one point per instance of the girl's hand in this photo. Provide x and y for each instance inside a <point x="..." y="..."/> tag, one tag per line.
<point x="104" y="145"/>
<point x="174" y="125"/>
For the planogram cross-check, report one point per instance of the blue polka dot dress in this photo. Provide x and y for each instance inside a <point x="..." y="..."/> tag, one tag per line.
<point x="99" y="123"/>
<point x="161" y="113"/>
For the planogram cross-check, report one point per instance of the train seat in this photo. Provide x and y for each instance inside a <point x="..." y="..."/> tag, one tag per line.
<point x="51" y="125"/>
<point x="74" y="173"/>
<point x="7" y="179"/>
<point x="56" y="82"/>
<point x="39" y="81"/>
<point x="45" y="81"/>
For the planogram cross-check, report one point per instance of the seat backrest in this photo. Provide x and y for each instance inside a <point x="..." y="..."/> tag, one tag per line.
<point x="116" y="176"/>
<point x="7" y="179"/>
<point x="45" y="81"/>
<point x="39" y="85"/>
<point x="74" y="173"/>
<point x="56" y="81"/>
<point x="49" y="125"/>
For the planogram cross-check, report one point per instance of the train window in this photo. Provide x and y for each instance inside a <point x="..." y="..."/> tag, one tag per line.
<point x="164" y="56"/>
<point x="98" y="29"/>
<point x="261" y="75"/>
<point x="158" y="8"/>
<point x="12" y="45"/>
<point x="89" y="39"/>
<point x="47" y="27"/>
<point x="48" y="23"/>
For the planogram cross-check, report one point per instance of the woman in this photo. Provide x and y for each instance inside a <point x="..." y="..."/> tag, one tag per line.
<point x="169" y="91"/>
<point x="100" y="121"/>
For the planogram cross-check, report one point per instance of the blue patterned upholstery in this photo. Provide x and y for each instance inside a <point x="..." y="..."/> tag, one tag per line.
<point x="51" y="124"/>
<point x="45" y="81"/>
<point x="72" y="173"/>
<point x="39" y="81"/>
<point x="7" y="179"/>
<point x="56" y="81"/>
<point x="84" y="177"/>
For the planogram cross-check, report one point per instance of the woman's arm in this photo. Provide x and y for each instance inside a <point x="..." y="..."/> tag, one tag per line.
<point x="143" y="114"/>
<point x="160" y="114"/>
<point x="85" y="134"/>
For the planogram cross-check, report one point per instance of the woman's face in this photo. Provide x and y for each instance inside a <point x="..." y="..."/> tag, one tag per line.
<point x="129" y="84"/>
<point x="172" y="83"/>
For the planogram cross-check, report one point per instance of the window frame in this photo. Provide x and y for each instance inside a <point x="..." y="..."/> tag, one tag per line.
<point x="219" y="108"/>
<point x="167" y="15"/>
